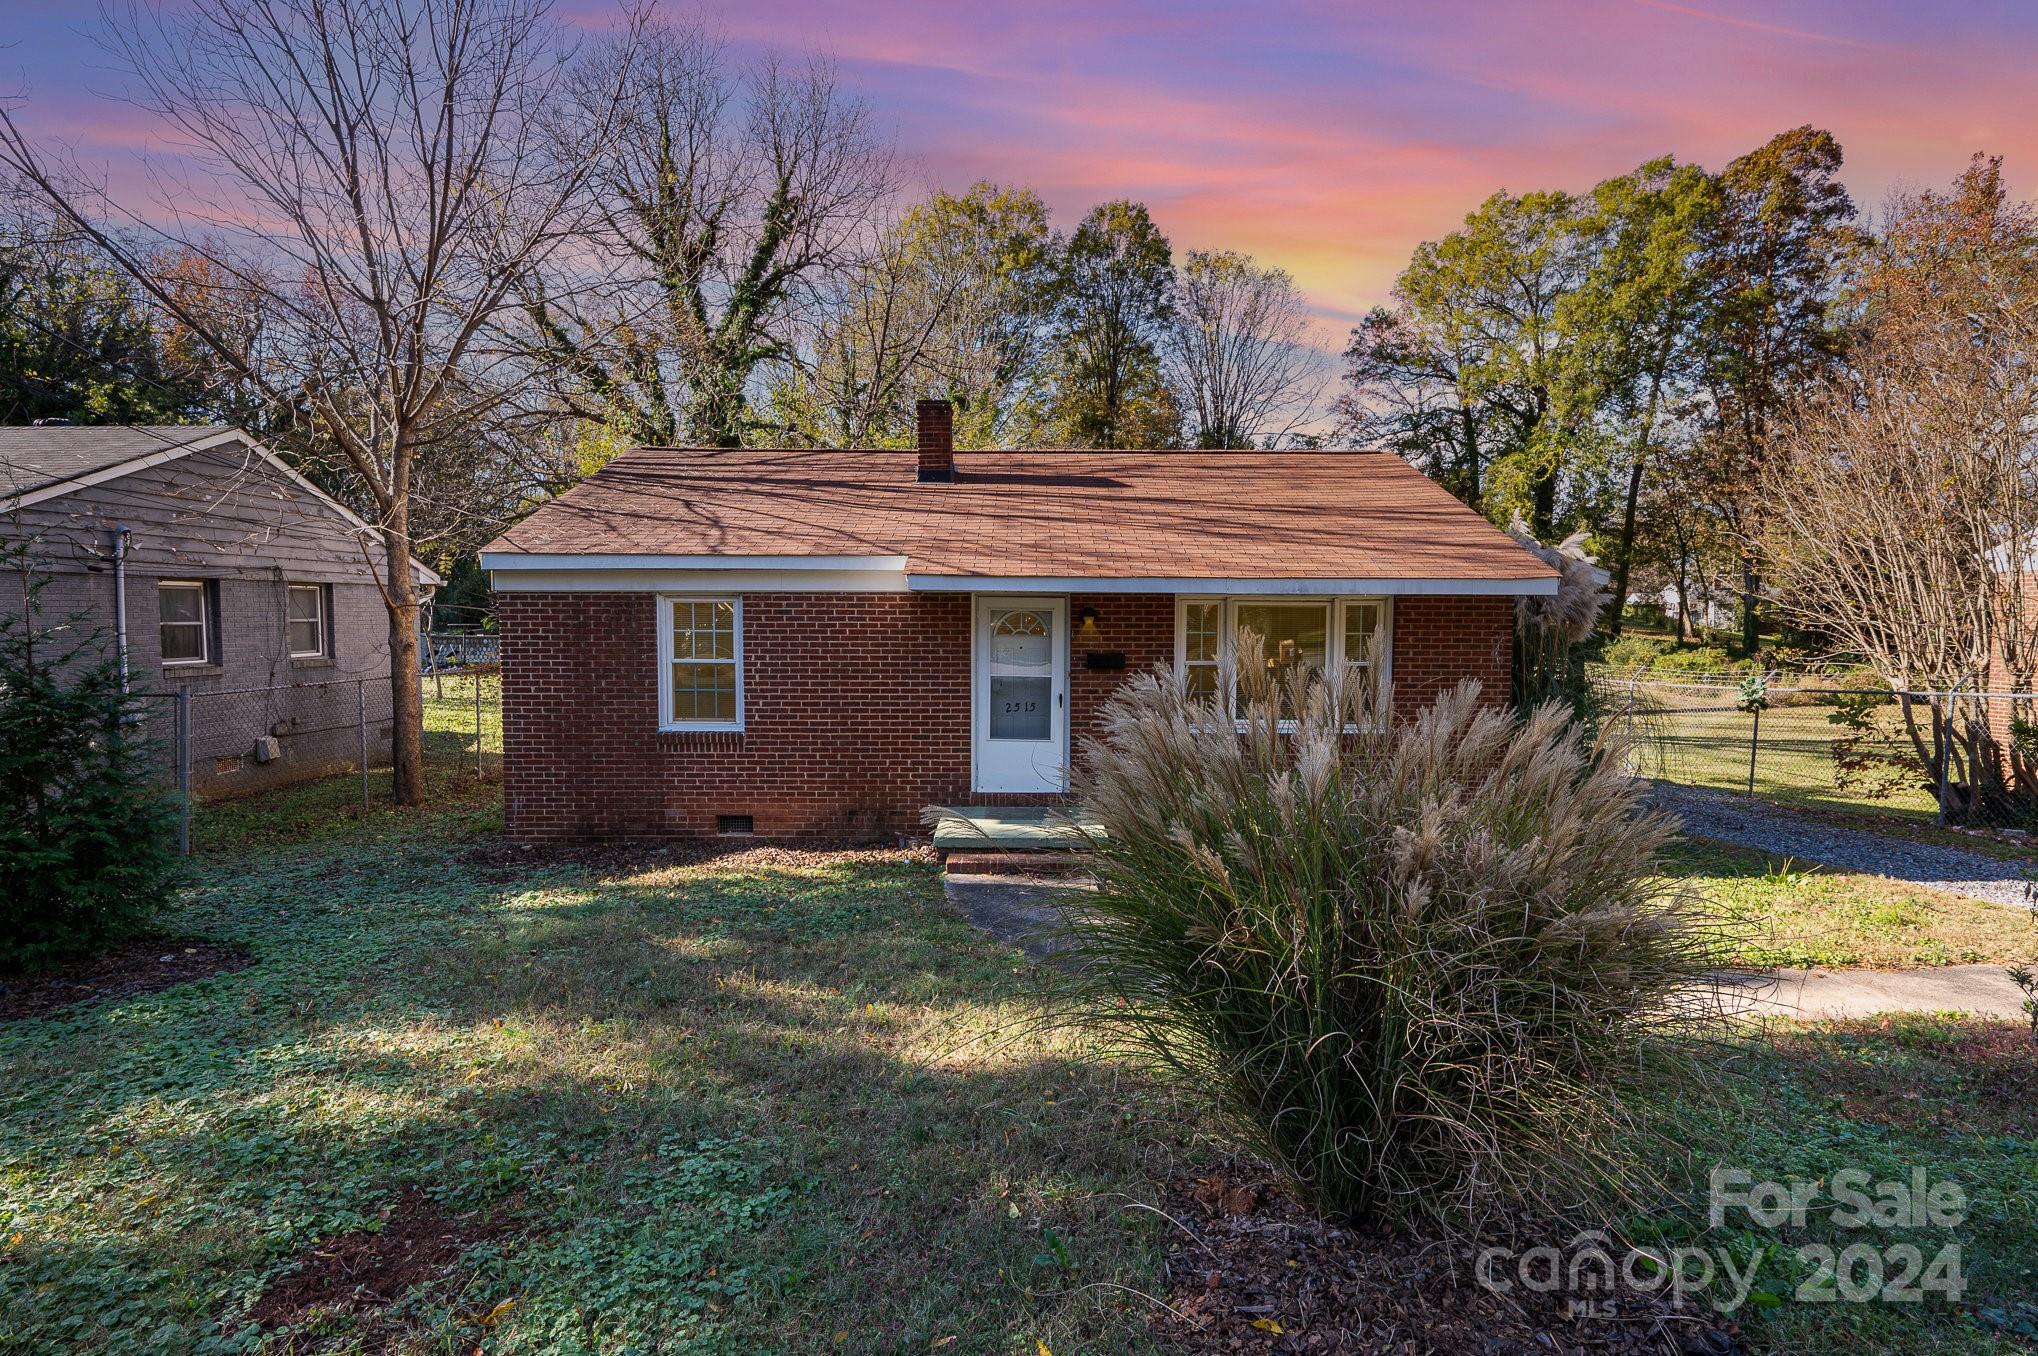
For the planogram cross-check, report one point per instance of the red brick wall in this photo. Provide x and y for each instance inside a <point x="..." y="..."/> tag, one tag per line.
<point x="856" y="705"/>
<point x="1438" y="642"/>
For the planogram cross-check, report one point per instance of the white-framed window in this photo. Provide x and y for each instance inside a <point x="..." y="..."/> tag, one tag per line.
<point x="306" y="617"/>
<point x="700" y="663"/>
<point x="1294" y="632"/>
<point x="185" y="621"/>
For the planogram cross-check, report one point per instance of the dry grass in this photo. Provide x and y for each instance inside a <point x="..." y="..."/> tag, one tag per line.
<point x="1413" y="968"/>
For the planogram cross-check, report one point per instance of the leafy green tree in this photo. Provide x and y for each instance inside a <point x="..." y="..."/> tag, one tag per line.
<point x="991" y="252"/>
<point x="1633" y="322"/>
<point x="1116" y="296"/>
<point x="77" y="341"/>
<point x="85" y="851"/>
<point x="1472" y="359"/>
<point x="1774" y="259"/>
<point x="953" y="303"/>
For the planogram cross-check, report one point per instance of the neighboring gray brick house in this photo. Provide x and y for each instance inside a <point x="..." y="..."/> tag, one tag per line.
<point x="245" y="585"/>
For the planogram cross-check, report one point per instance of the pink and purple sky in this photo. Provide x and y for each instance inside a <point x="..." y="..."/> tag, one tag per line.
<point x="1327" y="138"/>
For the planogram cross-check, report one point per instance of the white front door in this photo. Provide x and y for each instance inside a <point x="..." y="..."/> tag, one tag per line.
<point x="1020" y="694"/>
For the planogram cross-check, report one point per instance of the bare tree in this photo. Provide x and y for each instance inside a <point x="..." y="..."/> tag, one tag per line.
<point x="724" y="215"/>
<point x="1905" y="496"/>
<point x="374" y="183"/>
<point x="1238" y="351"/>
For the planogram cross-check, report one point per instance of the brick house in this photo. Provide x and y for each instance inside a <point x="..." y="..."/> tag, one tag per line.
<point x="196" y="558"/>
<point x="825" y="642"/>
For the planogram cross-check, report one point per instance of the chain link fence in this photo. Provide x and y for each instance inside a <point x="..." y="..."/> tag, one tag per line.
<point x="224" y="744"/>
<point x="1962" y="758"/>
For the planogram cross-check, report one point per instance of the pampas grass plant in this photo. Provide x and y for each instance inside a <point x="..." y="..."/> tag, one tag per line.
<point x="1414" y="966"/>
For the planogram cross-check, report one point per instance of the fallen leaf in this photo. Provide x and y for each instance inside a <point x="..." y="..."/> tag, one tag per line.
<point x="494" y="1316"/>
<point x="1268" y="1325"/>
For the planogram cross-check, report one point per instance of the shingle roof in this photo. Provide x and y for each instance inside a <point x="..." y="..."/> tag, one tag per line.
<point x="35" y="456"/>
<point x="1270" y="515"/>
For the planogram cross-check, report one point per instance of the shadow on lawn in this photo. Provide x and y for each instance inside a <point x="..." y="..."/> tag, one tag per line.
<point x="774" y="1100"/>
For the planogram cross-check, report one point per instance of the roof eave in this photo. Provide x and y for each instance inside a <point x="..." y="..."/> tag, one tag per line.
<point x="1412" y="586"/>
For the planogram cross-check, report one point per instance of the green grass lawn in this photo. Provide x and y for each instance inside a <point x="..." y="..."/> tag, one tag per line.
<point x="1786" y="913"/>
<point x="1698" y="738"/>
<point x="763" y="1101"/>
<point x="748" y="1103"/>
<point x="1956" y="1099"/>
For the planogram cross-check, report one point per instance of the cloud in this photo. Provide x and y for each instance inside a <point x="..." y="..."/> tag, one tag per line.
<point x="1331" y="137"/>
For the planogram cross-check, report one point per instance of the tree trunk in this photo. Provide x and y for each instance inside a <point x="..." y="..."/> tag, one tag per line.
<point x="1618" y="604"/>
<point x="1683" y="598"/>
<point x="406" y="683"/>
<point x="1470" y="424"/>
<point x="1750" y="635"/>
<point x="1627" y="526"/>
<point x="1543" y="506"/>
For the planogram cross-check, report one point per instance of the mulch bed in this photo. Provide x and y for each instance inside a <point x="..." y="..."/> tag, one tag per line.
<point x="143" y="965"/>
<point x="362" y="1274"/>
<point x="1263" y="1274"/>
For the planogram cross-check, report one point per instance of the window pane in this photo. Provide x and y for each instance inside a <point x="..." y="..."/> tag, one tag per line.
<point x="304" y="602"/>
<point x="1199" y="631"/>
<point x="1291" y="635"/>
<point x="1361" y="621"/>
<point x="181" y="602"/>
<point x="183" y="642"/>
<point x="1202" y="680"/>
<point x="703" y="630"/>
<point x="304" y="638"/>
<point x="1020" y="708"/>
<point x="1022" y="640"/>
<point x="704" y="692"/>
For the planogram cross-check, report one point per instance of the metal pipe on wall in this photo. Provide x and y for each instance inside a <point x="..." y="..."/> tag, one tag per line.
<point x="120" y="536"/>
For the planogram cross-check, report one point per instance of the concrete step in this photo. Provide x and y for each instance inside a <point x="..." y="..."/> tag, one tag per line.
<point x="973" y="828"/>
<point x="1025" y="863"/>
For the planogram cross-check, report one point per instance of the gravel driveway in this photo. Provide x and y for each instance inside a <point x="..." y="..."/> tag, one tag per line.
<point x="1757" y="824"/>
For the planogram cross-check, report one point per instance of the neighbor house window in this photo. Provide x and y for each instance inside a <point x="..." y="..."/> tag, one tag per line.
<point x="700" y="647"/>
<point x="1294" y="634"/>
<point x="186" y="617"/>
<point x="307" y="628"/>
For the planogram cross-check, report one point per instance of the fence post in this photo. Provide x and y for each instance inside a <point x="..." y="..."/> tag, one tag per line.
<point x="361" y="723"/>
<point x="1940" y="710"/>
<point x="1754" y="741"/>
<point x="184" y="771"/>
<point x="477" y="725"/>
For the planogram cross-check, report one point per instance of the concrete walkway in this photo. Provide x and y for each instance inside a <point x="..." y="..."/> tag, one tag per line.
<point x="1023" y="911"/>
<point x="1983" y="990"/>
<point x="1019" y="910"/>
<point x="1752" y="823"/>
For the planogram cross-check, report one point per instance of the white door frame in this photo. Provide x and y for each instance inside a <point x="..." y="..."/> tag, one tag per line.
<point x="1053" y="771"/>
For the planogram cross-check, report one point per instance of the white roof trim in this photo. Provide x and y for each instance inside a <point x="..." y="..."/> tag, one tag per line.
<point x="58" y="489"/>
<point x="518" y="560"/>
<point x="951" y="583"/>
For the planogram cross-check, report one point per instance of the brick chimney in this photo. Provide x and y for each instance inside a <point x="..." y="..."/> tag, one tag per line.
<point x="936" y="421"/>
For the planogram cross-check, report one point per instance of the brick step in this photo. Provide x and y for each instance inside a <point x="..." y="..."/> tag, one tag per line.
<point x="1035" y="863"/>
